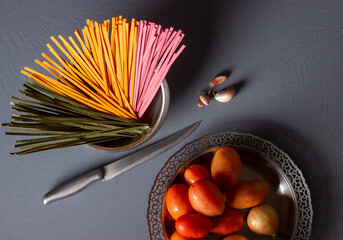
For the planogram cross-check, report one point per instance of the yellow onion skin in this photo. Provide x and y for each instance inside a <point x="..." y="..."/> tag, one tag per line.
<point x="263" y="220"/>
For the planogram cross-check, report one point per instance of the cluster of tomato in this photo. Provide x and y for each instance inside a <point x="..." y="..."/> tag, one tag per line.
<point x="209" y="200"/>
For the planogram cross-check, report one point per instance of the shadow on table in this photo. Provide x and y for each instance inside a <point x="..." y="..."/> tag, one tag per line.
<point x="197" y="21"/>
<point x="306" y="156"/>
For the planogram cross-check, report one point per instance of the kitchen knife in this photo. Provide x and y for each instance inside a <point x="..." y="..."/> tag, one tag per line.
<point x="111" y="170"/>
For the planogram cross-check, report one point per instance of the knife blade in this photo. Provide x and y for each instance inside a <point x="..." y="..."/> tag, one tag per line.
<point x="115" y="168"/>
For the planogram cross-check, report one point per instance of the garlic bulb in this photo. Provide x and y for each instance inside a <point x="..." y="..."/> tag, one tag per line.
<point x="263" y="220"/>
<point x="225" y="95"/>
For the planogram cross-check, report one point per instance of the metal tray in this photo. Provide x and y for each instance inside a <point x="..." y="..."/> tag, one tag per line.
<point x="289" y="193"/>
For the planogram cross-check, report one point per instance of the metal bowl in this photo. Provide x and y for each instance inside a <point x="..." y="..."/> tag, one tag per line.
<point x="155" y="115"/>
<point x="289" y="194"/>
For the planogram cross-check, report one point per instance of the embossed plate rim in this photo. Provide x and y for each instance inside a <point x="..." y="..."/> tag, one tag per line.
<point x="272" y="153"/>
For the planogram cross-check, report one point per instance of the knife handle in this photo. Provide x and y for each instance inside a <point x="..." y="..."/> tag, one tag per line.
<point x="73" y="186"/>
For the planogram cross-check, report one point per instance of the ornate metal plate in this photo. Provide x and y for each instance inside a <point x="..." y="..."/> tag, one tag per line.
<point x="261" y="159"/>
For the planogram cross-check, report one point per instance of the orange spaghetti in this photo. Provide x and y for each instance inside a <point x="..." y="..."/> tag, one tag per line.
<point x="114" y="69"/>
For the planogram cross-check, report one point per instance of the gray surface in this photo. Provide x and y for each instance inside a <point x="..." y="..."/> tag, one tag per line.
<point x="286" y="56"/>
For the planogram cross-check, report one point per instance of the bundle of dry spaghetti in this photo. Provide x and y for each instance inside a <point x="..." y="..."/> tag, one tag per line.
<point x="112" y="70"/>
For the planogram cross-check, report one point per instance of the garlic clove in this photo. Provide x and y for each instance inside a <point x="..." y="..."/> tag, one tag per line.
<point x="205" y="99"/>
<point x="217" y="80"/>
<point x="225" y="95"/>
<point x="200" y="103"/>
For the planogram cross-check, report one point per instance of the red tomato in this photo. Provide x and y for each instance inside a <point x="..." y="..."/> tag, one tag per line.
<point x="193" y="225"/>
<point x="178" y="236"/>
<point x="230" y="221"/>
<point x="177" y="201"/>
<point x="195" y="173"/>
<point x="206" y="198"/>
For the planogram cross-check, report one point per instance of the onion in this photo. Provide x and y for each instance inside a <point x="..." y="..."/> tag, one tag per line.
<point x="263" y="220"/>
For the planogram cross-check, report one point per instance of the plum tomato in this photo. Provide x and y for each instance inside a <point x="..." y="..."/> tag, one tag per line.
<point x="206" y="198"/>
<point x="230" y="221"/>
<point x="226" y="167"/>
<point x="235" y="237"/>
<point x="196" y="172"/>
<point x="178" y="236"/>
<point x="177" y="201"/>
<point x="246" y="194"/>
<point x="193" y="225"/>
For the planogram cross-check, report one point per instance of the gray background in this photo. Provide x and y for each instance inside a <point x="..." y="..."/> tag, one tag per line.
<point x="287" y="56"/>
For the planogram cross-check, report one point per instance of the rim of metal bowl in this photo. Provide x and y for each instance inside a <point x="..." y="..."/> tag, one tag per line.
<point x="240" y="140"/>
<point x="165" y="100"/>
